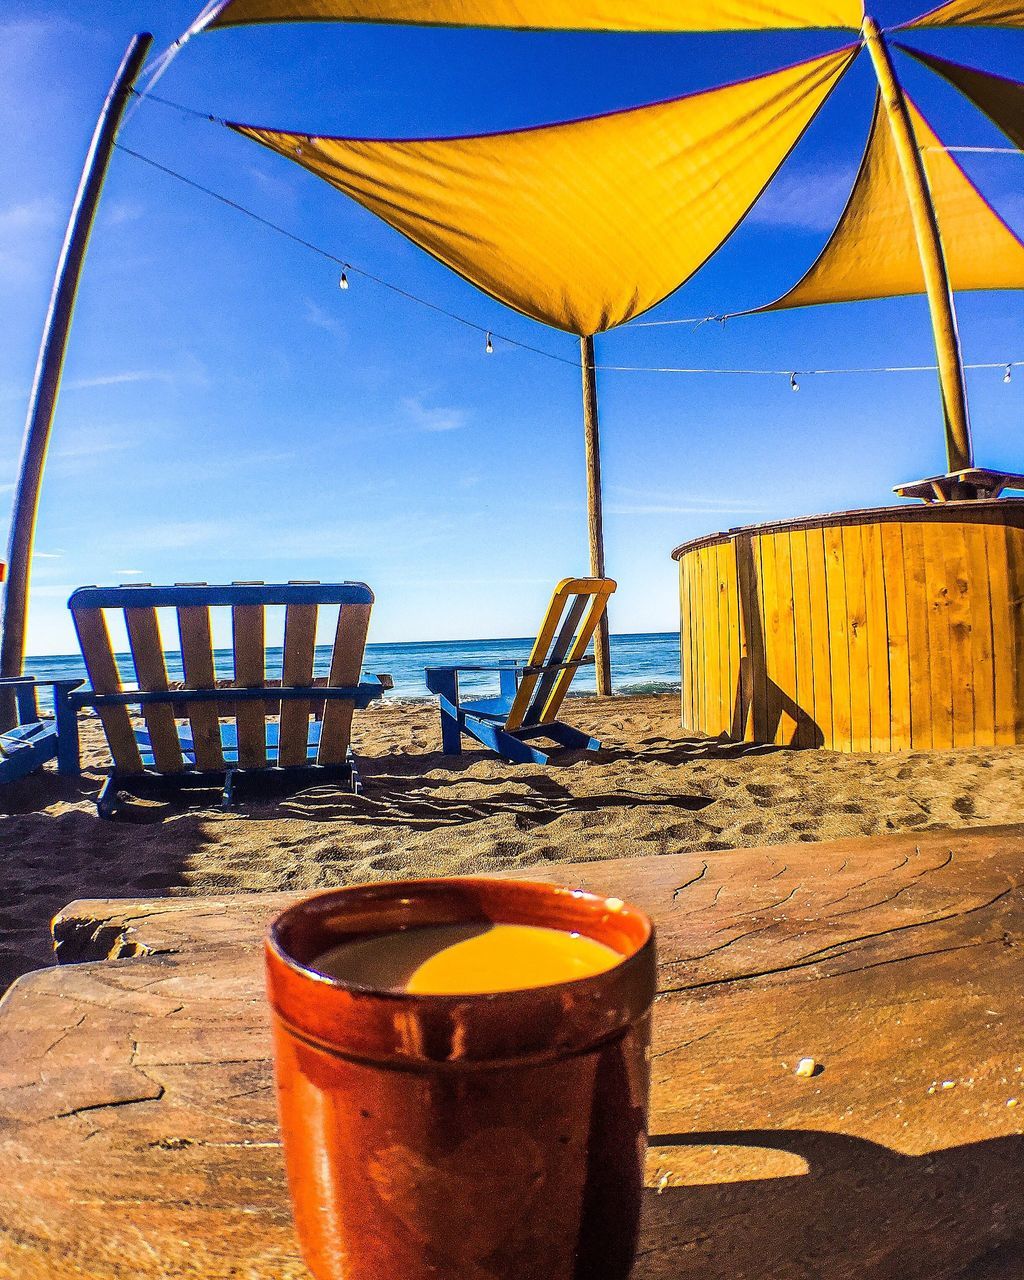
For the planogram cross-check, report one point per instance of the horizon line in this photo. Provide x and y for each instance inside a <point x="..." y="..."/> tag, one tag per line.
<point x="371" y="643"/>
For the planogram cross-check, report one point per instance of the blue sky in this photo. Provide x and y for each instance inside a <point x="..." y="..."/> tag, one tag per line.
<point x="229" y="413"/>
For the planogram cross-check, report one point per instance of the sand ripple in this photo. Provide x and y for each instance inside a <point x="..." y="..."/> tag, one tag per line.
<point x="650" y="791"/>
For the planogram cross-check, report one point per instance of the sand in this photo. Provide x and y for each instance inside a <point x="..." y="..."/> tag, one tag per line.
<point x="650" y="790"/>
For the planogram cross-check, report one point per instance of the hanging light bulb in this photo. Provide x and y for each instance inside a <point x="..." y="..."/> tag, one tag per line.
<point x="1008" y="374"/>
<point x="343" y="282"/>
<point x="793" y="384"/>
<point x="489" y="348"/>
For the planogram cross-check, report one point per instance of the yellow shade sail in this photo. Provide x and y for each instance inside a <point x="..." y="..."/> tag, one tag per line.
<point x="973" y="13"/>
<point x="551" y="15"/>
<point x="1002" y="100"/>
<point x="582" y="225"/>
<point x="873" y="251"/>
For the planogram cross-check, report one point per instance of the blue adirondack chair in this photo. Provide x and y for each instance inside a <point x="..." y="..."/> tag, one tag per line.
<point x="219" y="733"/>
<point x="530" y="695"/>
<point x="31" y="740"/>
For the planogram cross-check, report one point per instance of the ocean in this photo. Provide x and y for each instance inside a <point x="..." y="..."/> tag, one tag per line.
<point x="641" y="663"/>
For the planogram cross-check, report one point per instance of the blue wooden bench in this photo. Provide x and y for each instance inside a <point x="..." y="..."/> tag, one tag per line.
<point x="530" y="695"/>
<point x="30" y="741"/>
<point x="241" y="732"/>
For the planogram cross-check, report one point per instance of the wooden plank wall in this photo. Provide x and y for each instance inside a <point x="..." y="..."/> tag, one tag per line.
<point x="859" y="634"/>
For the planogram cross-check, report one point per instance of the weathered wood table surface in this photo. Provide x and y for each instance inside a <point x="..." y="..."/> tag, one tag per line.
<point x="137" y="1129"/>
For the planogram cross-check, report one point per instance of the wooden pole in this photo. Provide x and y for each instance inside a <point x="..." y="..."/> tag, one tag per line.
<point x="959" y="452"/>
<point x="595" y="518"/>
<point x="50" y="364"/>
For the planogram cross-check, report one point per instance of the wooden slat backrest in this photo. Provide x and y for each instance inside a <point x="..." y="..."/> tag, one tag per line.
<point x="104" y="677"/>
<point x="595" y="611"/>
<point x="346" y="666"/>
<point x="248" y="603"/>
<point x="563" y="640"/>
<point x="248" y="638"/>
<point x="594" y="593"/>
<point x="299" y="644"/>
<point x="200" y="673"/>
<point x="151" y="675"/>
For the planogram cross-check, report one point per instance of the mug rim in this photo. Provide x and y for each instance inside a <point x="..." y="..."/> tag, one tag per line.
<point x="305" y="970"/>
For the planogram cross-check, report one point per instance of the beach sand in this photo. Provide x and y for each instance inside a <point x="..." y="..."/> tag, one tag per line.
<point x="650" y="790"/>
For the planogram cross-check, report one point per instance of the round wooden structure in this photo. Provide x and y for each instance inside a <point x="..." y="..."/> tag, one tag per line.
<point x="876" y="630"/>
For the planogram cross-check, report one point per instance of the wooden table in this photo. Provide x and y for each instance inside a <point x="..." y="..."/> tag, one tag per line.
<point x="137" y="1130"/>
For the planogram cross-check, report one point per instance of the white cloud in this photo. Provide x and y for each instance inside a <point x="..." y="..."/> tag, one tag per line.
<point x="30" y="225"/>
<point x="24" y="226"/>
<point x="320" y="318"/>
<point x="39" y="214"/>
<point x="84" y="443"/>
<point x="117" y="213"/>
<point x="436" y="418"/>
<point x="805" y="197"/>
<point x="27" y="46"/>
<point x="178" y="535"/>
<point x="118" y="379"/>
<point x="278" y="186"/>
<point x="653" y="502"/>
<point x="244" y="543"/>
<point x="655" y="509"/>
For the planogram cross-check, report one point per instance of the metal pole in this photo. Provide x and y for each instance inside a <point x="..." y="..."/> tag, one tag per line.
<point x="959" y="452"/>
<point x="595" y="518"/>
<point x="51" y="359"/>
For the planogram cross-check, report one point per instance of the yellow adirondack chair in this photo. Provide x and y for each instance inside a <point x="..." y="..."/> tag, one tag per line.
<point x="530" y="696"/>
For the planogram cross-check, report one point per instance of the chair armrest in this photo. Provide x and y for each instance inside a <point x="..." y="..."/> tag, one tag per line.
<point x="25" y="689"/>
<point x="444" y="681"/>
<point x="559" y="666"/>
<point x="361" y="694"/>
<point x="510" y="664"/>
<point x="63" y="683"/>
<point x="65" y="717"/>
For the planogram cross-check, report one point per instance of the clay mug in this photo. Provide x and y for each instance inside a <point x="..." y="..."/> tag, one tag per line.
<point x="496" y="1136"/>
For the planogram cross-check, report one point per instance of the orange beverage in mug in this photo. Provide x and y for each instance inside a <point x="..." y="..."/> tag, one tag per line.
<point x="462" y="1079"/>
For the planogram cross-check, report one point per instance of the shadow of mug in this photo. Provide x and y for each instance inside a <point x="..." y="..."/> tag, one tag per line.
<point x="860" y="1211"/>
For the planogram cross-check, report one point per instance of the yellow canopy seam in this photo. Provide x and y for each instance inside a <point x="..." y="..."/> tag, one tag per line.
<point x="586" y="224"/>
<point x="872" y="253"/>
<point x="972" y="13"/>
<point x="553" y="15"/>
<point x="1001" y="99"/>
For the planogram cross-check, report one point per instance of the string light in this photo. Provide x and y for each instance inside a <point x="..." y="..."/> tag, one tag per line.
<point x="331" y="257"/>
<point x="489" y="346"/>
<point x="804" y="373"/>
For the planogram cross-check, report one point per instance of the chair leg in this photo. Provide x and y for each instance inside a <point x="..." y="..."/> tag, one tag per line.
<point x="505" y="744"/>
<point x="107" y="800"/>
<point x="355" y="781"/>
<point x="227" y="798"/>
<point x="69" y="759"/>
<point x="451" y="733"/>
<point x="566" y="736"/>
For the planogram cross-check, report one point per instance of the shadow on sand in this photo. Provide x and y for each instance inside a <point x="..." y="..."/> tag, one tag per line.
<point x="861" y="1211"/>
<point x="529" y="798"/>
